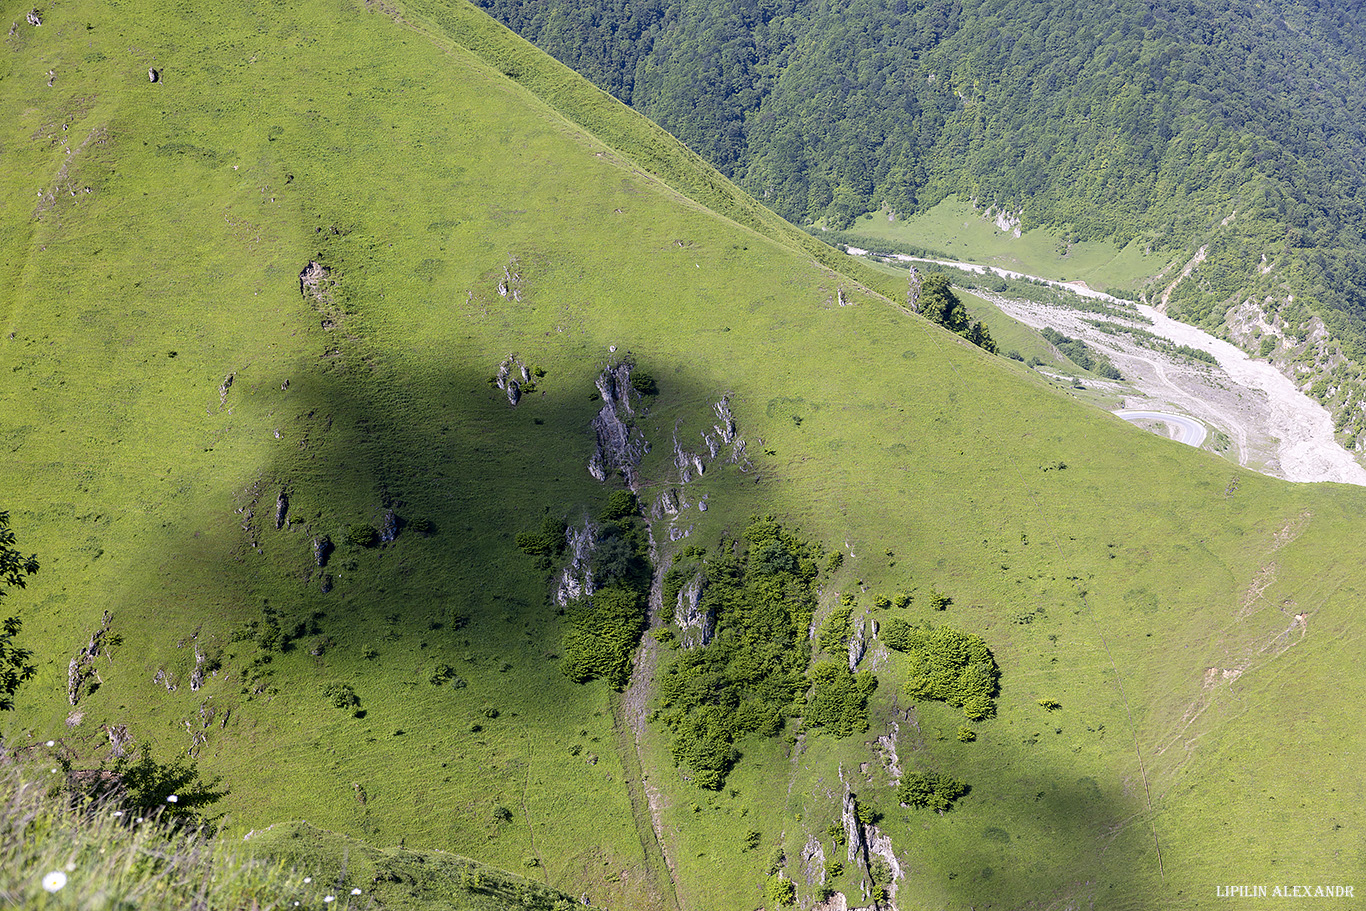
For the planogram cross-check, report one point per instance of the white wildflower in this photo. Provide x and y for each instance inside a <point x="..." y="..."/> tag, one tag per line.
<point x="172" y="799"/>
<point x="54" y="881"/>
<point x="355" y="891"/>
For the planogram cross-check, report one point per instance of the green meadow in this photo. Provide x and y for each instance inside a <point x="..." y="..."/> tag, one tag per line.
<point x="958" y="230"/>
<point x="165" y="380"/>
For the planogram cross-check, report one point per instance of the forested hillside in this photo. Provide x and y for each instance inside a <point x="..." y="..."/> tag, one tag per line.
<point x="1179" y="123"/>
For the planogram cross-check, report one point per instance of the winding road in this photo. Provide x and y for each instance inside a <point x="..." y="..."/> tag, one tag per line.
<point x="1184" y="430"/>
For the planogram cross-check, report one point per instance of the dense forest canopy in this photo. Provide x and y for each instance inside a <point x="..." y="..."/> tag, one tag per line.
<point x="1153" y="121"/>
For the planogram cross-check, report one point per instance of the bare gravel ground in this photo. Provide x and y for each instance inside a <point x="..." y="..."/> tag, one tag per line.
<point x="1271" y="425"/>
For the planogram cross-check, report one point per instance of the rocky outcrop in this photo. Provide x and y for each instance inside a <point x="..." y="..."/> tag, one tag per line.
<point x="314" y="279"/>
<point x="689" y="464"/>
<point x="81" y="671"/>
<point x="620" y="446"/>
<point x="886" y="745"/>
<point x="511" y="285"/>
<point x="858" y="644"/>
<point x="697" y="624"/>
<point x="281" y="508"/>
<point x="388" y="530"/>
<point x="853" y="831"/>
<point x="913" y="284"/>
<point x="322" y="549"/>
<point x="576" y="581"/>
<point x="34" y="18"/>
<point x="513" y="377"/>
<point x="813" y="862"/>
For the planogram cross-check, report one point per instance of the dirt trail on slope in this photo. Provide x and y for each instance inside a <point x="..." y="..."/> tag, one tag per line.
<point x="631" y="712"/>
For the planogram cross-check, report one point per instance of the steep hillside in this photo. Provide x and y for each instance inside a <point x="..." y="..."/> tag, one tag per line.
<point x="1223" y="127"/>
<point x="259" y="326"/>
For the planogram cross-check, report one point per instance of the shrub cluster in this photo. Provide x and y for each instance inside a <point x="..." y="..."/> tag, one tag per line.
<point x="947" y="665"/>
<point x="752" y="674"/>
<point x="546" y="544"/>
<point x="932" y="791"/>
<point x="834" y="632"/>
<point x="839" y="699"/>
<point x="603" y="630"/>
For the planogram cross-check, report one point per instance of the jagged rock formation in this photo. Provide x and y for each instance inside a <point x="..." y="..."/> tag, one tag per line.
<point x="853" y="830"/>
<point x="322" y="549"/>
<point x="512" y="375"/>
<point x="82" y="667"/>
<point x="119" y="740"/>
<point x="511" y="285"/>
<point x="689" y="464"/>
<point x="281" y="508"/>
<point x="697" y="625"/>
<point x="913" y="291"/>
<point x="314" y="279"/>
<point x="620" y="446"/>
<point x="577" y="579"/>
<point x="858" y="644"/>
<point x="388" y="527"/>
<point x="886" y="746"/>
<point x="813" y="862"/>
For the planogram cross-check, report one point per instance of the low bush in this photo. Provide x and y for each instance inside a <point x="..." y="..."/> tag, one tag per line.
<point x="839" y="699"/>
<point x="362" y="535"/>
<point x="932" y="791"/>
<point x="602" y="632"/>
<point x="946" y="665"/>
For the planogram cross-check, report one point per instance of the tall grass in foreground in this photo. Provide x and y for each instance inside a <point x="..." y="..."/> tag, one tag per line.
<point x="56" y="852"/>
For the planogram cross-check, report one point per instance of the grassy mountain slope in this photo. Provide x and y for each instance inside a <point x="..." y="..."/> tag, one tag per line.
<point x="426" y="158"/>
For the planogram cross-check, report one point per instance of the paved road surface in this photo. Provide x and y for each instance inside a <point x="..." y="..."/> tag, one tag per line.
<point x="1184" y="430"/>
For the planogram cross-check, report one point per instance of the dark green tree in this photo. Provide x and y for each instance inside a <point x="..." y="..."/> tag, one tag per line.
<point x="15" y="666"/>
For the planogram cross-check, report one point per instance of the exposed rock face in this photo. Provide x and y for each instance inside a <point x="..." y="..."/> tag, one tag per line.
<point x="886" y="745"/>
<point x="281" y="508"/>
<point x="511" y="285"/>
<point x="389" y="528"/>
<point x="153" y="75"/>
<point x="507" y="377"/>
<point x="689" y="464"/>
<point x="82" y="667"/>
<point x="224" y="387"/>
<point x="322" y="549"/>
<point x="858" y="644"/>
<point x="119" y="740"/>
<point x="853" y="831"/>
<point x="813" y="862"/>
<point x="880" y="845"/>
<point x="33" y="18"/>
<point x="619" y="445"/>
<point x="666" y="505"/>
<point x="197" y="675"/>
<point x="577" y="579"/>
<point x="313" y="280"/>
<point x="697" y="624"/>
<point x="913" y="291"/>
